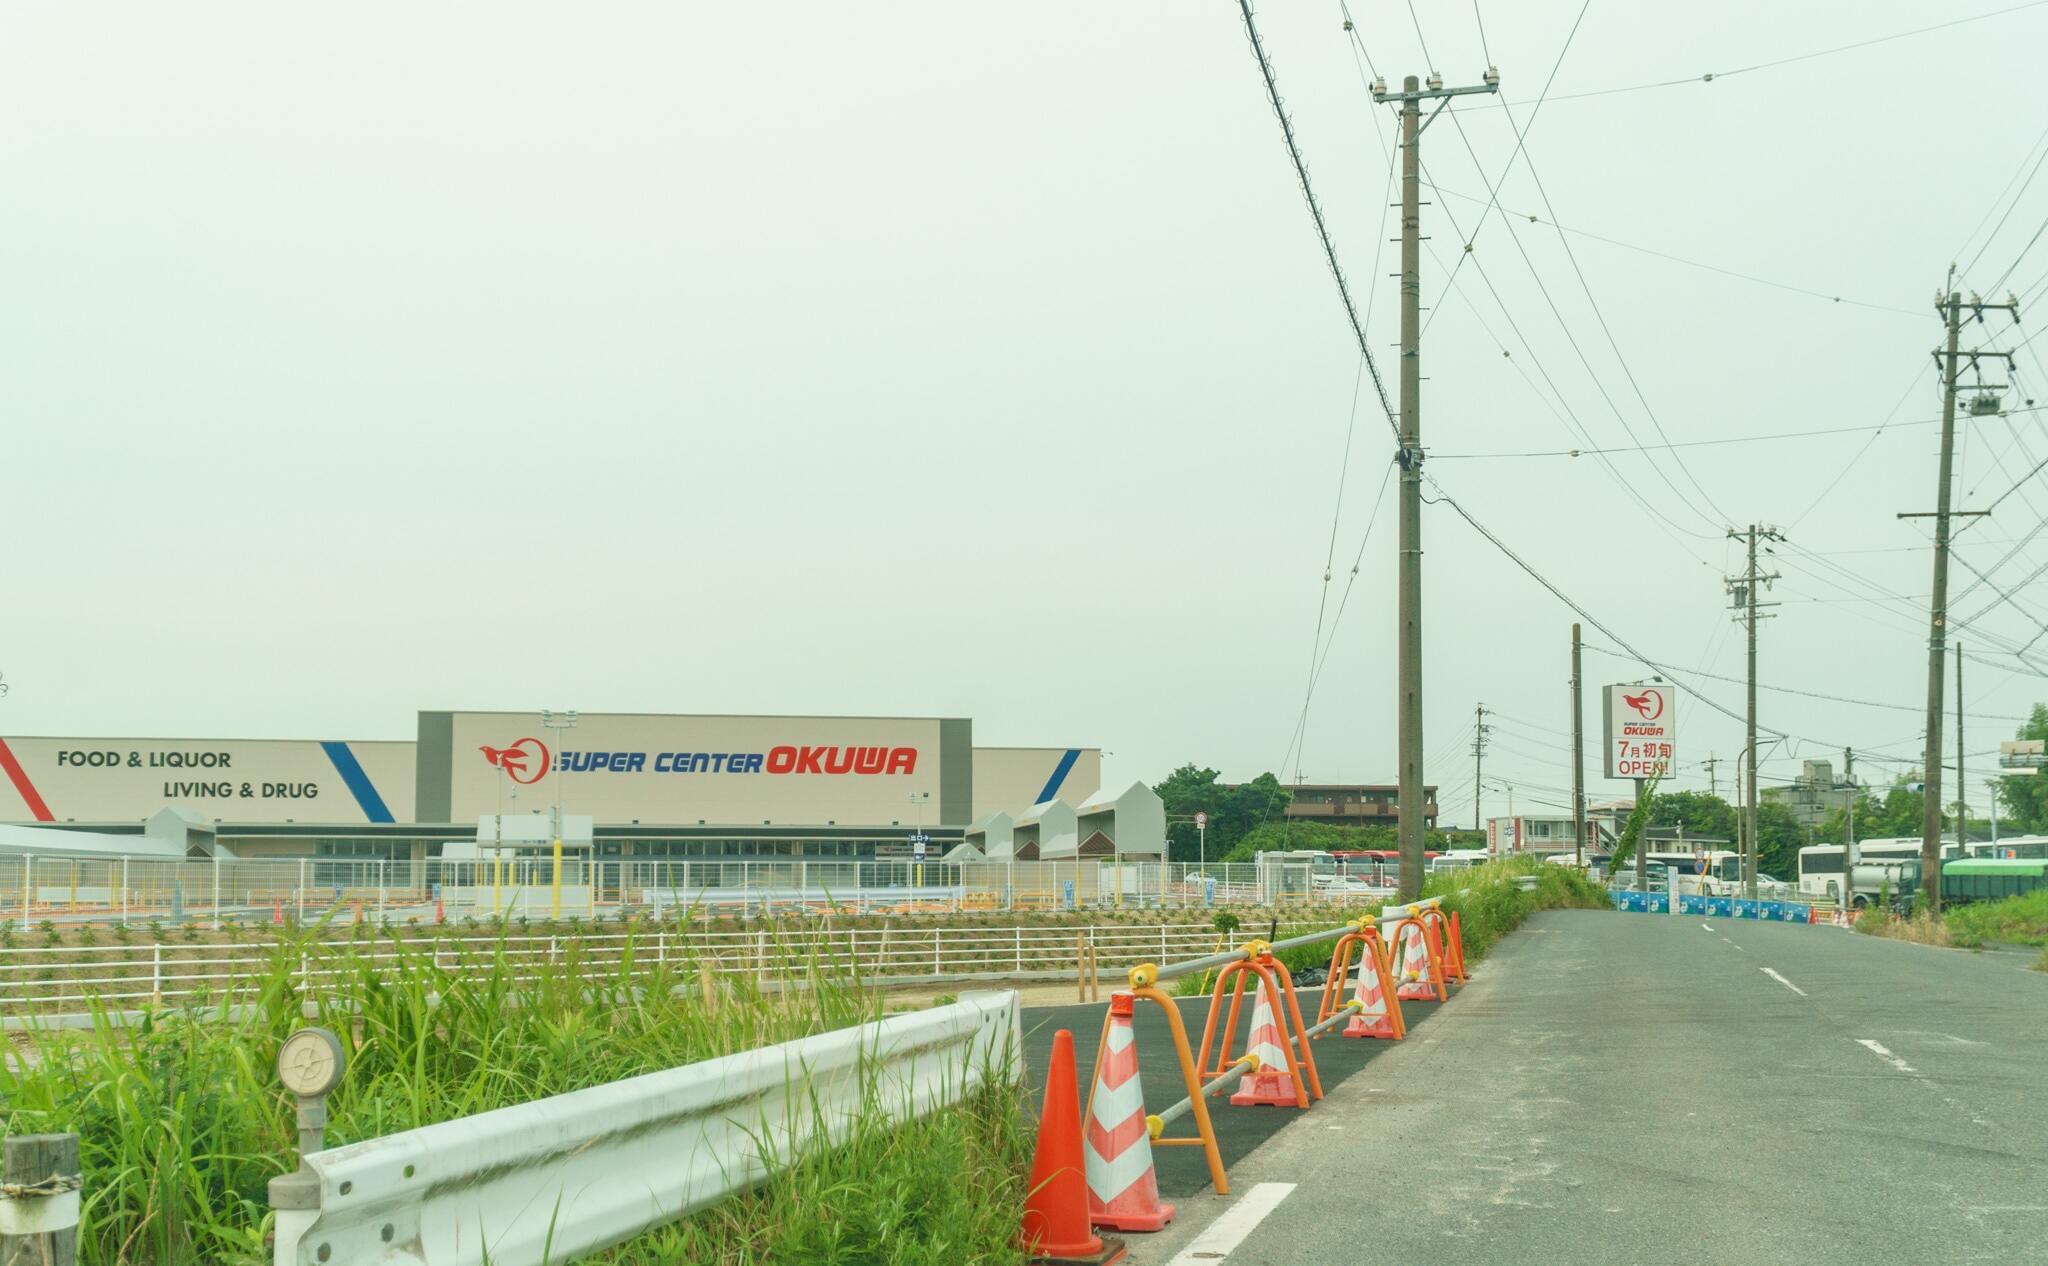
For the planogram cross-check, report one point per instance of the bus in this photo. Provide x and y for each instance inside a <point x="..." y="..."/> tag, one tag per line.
<point x="1717" y="863"/>
<point x="1880" y="864"/>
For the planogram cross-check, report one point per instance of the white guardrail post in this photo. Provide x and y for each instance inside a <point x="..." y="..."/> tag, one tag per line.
<point x="548" y="1181"/>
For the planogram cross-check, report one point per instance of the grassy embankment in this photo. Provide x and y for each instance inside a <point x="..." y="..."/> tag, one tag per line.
<point x="2013" y="921"/>
<point x="181" y="1122"/>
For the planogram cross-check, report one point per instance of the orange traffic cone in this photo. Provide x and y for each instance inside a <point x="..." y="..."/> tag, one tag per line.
<point x="277" y="910"/>
<point x="1123" y="1190"/>
<point x="1270" y="1084"/>
<point x="1414" y="971"/>
<point x="1375" y="1017"/>
<point x="1456" y="949"/>
<point x="440" y="915"/>
<point x="1056" y="1202"/>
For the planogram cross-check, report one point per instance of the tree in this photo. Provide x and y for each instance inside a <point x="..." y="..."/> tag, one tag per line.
<point x="1779" y="837"/>
<point x="1233" y="810"/>
<point x="1632" y="830"/>
<point x="2023" y="798"/>
<point x="1703" y="815"/>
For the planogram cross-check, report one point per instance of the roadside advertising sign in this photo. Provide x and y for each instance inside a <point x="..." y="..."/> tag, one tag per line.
<point x="1640" y="730"/>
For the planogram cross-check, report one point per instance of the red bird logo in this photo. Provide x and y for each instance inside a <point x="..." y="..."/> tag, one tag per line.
<point x="524" y="762"/>
<point x="1649" y="705"/>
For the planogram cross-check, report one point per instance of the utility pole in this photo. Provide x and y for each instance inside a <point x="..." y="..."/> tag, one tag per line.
<point x="1713" y="787"/>
<point x="1578" y="761"/>
<point x="1962" y="806"/>
<point x="1410" y="99"/>
<point x="1744" y="589"/>
<point x="1951" y="305"/>
<point x="1849" y="832"/>
<point x="1480" y="730"/>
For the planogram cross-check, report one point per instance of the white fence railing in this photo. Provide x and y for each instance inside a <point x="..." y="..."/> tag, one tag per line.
<point x="260" y="890"/>
<point x="557" y="1178"/>
<point x="66" y="978"/>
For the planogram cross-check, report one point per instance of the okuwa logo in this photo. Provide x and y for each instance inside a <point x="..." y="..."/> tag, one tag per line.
<point x="528" y="760"/>
<point x="1648" y="705"/>
<point x="524" y="762"/>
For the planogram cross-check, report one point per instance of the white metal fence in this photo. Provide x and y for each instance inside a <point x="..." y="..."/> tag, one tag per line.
<point x="66" y="978"/>
<point x="138" y="890"/>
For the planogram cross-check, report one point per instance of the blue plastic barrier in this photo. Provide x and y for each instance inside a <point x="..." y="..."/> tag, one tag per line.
<point x="1691" y="903"/>
<point x="1723" y="907"/>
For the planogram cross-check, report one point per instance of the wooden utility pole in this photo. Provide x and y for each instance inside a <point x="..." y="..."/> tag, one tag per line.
<point x="1849" y="831"/>
<point x="1951" y="305"/>
<point x="1413" y="806"/>
<point x="47" y="1166"/>
<point x="1578" y="760"/>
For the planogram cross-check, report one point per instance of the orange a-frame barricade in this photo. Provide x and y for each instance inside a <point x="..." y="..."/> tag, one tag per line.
<point x="1276" y="990"/>
<point x="1444" y="939"/>
<point x="1375" y="984"/>
<point x="1413" y="936"/>
<point x="1142" y="981"/>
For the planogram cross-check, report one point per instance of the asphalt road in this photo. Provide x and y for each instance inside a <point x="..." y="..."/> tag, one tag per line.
<point x="1183" y="1171"/>
<point x="1624" y="1088"/>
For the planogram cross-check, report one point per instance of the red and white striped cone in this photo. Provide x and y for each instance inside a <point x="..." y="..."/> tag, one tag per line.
<point x="1412" y="971"/>
<point x="1271" y="1084"/>
<point x="1373" y="1019"/>
<point x="1123" y="1189"/>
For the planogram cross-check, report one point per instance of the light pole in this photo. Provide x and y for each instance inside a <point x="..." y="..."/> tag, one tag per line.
<point x="560" y="722"/>
<point x="918" y="839"/>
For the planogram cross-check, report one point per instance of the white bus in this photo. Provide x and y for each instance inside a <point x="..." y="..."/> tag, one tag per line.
<point x="1878" y="864"/>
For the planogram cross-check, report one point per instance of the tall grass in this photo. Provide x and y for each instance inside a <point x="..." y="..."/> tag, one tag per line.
<point x="2021" y="920"/>
<point x="181" y="1122"/>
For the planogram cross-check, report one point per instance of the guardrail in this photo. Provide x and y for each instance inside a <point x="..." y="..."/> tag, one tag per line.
<point x="547" y="1181"/>
<point x="42" y="979"/>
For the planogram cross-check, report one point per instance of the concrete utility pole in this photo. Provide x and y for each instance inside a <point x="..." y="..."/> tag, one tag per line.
<point x="1744" y="588"/>
<point x="1849" y="833"/>
<point x="1713" y="787"/>
<point x="1962" y="805"/>
<point x="1951" y="305"/>
<point x="1479" y="733"/>
<point x="1410" y="99"/>
<point x="1578" y="760"/>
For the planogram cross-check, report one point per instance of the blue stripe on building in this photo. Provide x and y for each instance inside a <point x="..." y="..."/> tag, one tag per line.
<point x="359" y="786"/>
<point x="1059" y="775"/>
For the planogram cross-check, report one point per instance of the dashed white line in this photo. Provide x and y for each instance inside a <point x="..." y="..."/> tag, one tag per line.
<point x="1237" y="1222"/>
<point x="1781" y="980"/>
<point x="1736" y="946"/>
<point x="1708" y="926"/>
<point x="1882" y="1052"/>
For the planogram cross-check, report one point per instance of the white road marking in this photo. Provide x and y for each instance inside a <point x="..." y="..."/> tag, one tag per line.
<point x="1708" y="926"/>
<point x="1736" y="946"/>
<point x="1882" y="1052"/>
<point x="1237" y="1222"/>
<point x="1781" y="980"/>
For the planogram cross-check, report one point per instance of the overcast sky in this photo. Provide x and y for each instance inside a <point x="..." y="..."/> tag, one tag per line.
<point x="949" y="359"/>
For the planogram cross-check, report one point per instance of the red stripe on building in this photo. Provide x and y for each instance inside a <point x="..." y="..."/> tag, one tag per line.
<point x="19" y="777"/>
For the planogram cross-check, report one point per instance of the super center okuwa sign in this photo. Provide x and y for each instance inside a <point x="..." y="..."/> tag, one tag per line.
<point x="1641" y="731"/>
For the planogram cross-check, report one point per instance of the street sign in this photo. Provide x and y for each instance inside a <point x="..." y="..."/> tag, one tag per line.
<point x="1201" y="821"/>
<point x="2022" y="754"/>
<point x="1641" y="730"/>
<point x="917" y="842"/>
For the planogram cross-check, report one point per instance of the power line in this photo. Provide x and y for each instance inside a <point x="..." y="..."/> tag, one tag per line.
<point x="1680" y="259"/>
<point x="1733" y="439"/>
<point x="1711" y="76"/>
<point x="1315" y="210"/>
<point x="1810" y="694"/>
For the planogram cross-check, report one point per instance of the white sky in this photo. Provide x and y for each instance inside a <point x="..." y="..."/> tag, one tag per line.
<point x="947" y="359"/>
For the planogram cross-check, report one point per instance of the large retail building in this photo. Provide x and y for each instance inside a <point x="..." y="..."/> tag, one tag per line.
<point x="654" y="785"/>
